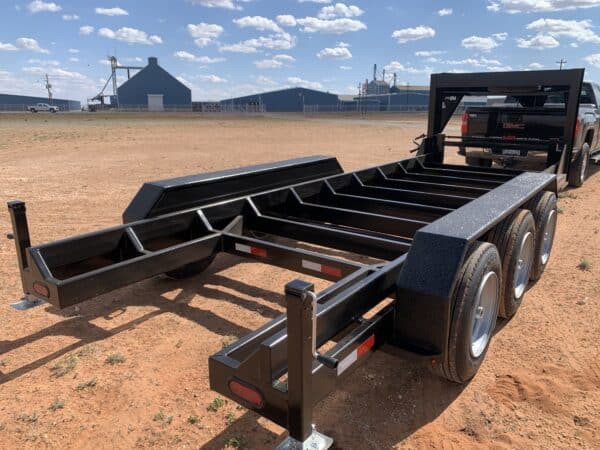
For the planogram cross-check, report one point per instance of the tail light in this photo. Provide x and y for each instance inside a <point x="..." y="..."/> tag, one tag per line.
<point x="41" y="289"/>
<point x="464" y="126"/>
<point x="246" y="392"/>
<point x="577" y="128"/>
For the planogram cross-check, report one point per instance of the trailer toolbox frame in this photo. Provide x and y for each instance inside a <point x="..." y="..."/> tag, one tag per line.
<point x="403" y="232"/>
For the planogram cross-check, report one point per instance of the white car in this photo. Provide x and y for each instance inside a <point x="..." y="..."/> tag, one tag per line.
<point x="41" y="107"/>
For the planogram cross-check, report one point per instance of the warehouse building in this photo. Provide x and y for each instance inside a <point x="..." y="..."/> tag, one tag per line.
<point x="155" y="89"/>
<point x="284" y="100"/>
<point x="9" y="102"/>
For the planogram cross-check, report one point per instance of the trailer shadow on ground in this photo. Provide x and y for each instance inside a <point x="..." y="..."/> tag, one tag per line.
<point x="78" y="320"/>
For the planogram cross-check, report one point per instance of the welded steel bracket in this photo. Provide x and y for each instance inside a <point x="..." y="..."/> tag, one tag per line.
<point x="316" y="441"/>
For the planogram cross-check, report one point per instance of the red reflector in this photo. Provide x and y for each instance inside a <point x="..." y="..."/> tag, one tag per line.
<point x="333" y="271"/>
<point x="365" y="346"/>
<point x="464" y="126"/>
<point x="41" y="289"/>
<point x="245" y="392"/>
<point x="257" y="251"/>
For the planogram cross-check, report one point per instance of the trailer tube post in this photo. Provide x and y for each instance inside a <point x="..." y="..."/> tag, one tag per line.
<point x="20" y="228"/>
<point x="300" y="357"/>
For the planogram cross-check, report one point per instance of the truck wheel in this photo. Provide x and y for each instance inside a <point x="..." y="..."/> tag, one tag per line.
<point x="475" y="307"/>
<point x="478" y="162"/>
<point x="515" y="239"/>
<point x="543" y="208"/>
<point x="578" y="168"/>
<point x="191" y="269"/>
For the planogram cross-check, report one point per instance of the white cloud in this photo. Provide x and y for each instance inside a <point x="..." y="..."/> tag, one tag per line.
<point x="39" y="6"/>
<point x="111" y="12"/>
<point x="7" y="47"/>
<point x="536" y="66"/>
<point x="574" y="44"/>
<point x="130" y="35"/>
<point x="335" y="26"/>
<point x="530" y="6"/>
<point x="345" y="68"/>
<point x="341" y="52"/>
<point x="429" y="53"/>
<point x="86" y="29"/>
<point x="225" y="4"/>
<point x="30" y="44"/>
<point x="339" y="10"/>
<point x="73" y="50"/>
<point x="275" y="62"/>
<point x="413" y="34"/>
<point x="445" y="12"/>
<point x="73" y="59"/>
<point x="278" y="41"/>
<point x="594" y="59"/>
<point x="500" y="36"/>
<point x="485" y="63"/>
<point x="212" y="79"/>
<point x="240" y="47"/>
<point x="286" y="20"/>
<point x="265" y="81"/>
<point x="484" y="44"/>
<point x="538" y="42"/>
<point x="297" y="81"/>
<point x="204" y="33"/>
<point x="580" y="30"/>
<point x="41" y="62"/>
<point x="186" y="56"/>
<point x="70" y="17"/>
<point x="396" y="66"/>
<point x="259" y="22"/>
<point x="314" y="1"/>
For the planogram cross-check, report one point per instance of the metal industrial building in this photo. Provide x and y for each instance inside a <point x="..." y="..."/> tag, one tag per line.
<point x="9" y="102"/>
<point x="155" y="89"/>
<point x="284" y="100"/>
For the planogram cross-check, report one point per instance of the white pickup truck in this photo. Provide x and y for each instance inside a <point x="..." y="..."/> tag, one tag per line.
<point x="41" y="107"/>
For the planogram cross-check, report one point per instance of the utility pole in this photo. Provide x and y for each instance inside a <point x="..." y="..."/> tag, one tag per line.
<point x="561" y="63"/>
<point x="49" y="88"/>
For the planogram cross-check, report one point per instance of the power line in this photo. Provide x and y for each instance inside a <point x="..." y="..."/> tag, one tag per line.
<point x="561" y="62"/>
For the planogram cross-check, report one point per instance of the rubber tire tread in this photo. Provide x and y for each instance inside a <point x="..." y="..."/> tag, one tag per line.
<point x="458" y="365"/>
<point x="574" y="178"/>
<point x="540" y="206"/>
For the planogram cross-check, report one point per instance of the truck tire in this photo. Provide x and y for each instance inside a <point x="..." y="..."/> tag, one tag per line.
<point x="515" y="239"/>
<point x="475" y="304"/>
<point x="478" y="162"/>
<point x="543" y="208"/>
<point x="578" y="169"/>
<point x="191" y="269"/>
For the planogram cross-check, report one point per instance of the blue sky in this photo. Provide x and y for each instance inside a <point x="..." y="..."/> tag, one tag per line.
<point x="223" y="48"/>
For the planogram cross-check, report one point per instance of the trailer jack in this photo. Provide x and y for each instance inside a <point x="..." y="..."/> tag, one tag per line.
<point x="316" y="441"/>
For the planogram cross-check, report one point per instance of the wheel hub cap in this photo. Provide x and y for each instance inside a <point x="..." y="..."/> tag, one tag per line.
<point x="485" y="311"/>
<point x="548" y="239"/>
<point x="525" y="258"/>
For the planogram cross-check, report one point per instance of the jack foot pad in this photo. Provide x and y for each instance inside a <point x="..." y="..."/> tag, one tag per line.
<point x="316" y="441"/>
<point x="27" y="302"/>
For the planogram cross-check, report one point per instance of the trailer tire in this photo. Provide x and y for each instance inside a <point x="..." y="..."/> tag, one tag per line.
<point x="578" y="169"/>
<point x="475" y="304"/>
<point x="478" y="162"/>
<point x="543" y="208"/>
<point x="191" y="269"/>
<point x="515" y="239"/>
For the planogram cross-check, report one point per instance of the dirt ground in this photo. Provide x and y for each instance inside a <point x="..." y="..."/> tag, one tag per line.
<point x="538" y="388"/>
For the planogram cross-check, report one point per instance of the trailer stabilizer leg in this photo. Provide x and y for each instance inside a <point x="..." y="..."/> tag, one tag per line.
<point x="316" y="441"/>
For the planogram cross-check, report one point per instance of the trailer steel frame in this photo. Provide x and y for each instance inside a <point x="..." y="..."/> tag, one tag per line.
<point x="403" y="230"/>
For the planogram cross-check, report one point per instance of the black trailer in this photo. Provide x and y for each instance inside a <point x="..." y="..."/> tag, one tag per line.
<point x="452" y="246"/>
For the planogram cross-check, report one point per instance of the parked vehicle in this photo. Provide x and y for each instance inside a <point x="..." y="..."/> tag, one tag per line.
<point x="43" y="107"/>
<point x="538" y="117"/>
<point x="454" y="246"/>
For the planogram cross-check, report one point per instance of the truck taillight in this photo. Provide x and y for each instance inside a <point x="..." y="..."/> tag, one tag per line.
<point x="464" y="126"/>
<point x="577" y="128"/>
<point x="246" y="392"/>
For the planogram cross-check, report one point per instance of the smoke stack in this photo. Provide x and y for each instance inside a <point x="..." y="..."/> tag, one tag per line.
<point x="374" y="72"/>
<point x="394" y="79"/>
<point x="383" y="76"/>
